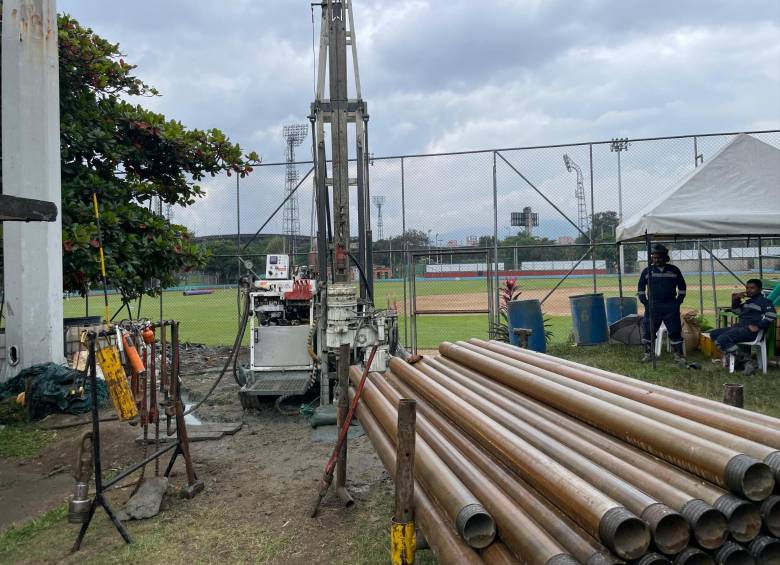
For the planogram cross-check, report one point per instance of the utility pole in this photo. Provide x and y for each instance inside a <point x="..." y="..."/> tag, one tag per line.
<point x="31" y="169"/>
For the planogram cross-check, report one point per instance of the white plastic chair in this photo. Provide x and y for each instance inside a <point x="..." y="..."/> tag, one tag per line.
<point x="659" y="340"/>
<point x="759" y="342"/>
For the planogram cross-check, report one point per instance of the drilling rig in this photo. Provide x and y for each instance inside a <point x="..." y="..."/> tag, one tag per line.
<point x="321" y="311"/>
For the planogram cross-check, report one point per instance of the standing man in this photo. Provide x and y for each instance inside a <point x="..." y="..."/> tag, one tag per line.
<point x="664" y="286"/>
<point x="756" y="314"/>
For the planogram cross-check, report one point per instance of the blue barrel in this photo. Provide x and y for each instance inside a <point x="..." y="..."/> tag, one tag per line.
<point x="527" y="314"/>
<point x="614" y="304"/>
<point x="589" y="319"/>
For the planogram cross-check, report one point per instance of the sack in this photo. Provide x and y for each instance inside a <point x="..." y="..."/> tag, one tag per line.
<point x="691" y="332"/>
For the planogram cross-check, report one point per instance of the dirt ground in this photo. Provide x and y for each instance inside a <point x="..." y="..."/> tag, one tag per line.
<point x="557" y="305"/>
<point x="265" y="477"/>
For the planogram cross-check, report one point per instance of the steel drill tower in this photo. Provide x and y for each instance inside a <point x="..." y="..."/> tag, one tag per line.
<point x="293" y="136"/>
<point x="579" y="194"/>
<point x="379" y="201"/>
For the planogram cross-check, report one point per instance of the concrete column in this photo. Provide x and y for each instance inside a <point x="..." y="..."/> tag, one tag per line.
<point x="31" y="169"/>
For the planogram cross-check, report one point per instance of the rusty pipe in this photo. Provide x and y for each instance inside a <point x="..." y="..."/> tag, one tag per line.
<point x="653" y="559"/>
<point x="446" y="546"/>
<point x="498" y="554"/>
<point x="765" y="550"/>
<point x="732" y="553"/>
<point x="620" y="530"/>
<point x="518" y="530"/>
<point x="573" y="538"/>
<point x="690" y="399"/>
<point x="712" y="461"/>
<point x="669" y="529"/>
<point x="709" y="526"/>
<point x="770" y="514"/>
<point x="744" y="520"/>
<point x="693" y="556"/>
<point x="469" y="517"/>
<point x="637" y="401"/>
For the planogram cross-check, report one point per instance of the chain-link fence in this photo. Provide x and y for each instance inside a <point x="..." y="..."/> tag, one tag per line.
<point x="532" y="212"/>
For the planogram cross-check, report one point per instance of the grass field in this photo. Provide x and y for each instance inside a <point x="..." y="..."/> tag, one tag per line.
<point x="212" y="318"/>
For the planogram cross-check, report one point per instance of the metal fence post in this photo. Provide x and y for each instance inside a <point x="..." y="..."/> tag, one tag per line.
<point x="404" y="259"/>
<point x="238" y="252"/>
<point x="494" y="294"/>
<point x="592" y="217"/>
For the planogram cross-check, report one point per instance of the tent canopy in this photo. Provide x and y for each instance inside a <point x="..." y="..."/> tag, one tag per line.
<point x="735" y="193"/>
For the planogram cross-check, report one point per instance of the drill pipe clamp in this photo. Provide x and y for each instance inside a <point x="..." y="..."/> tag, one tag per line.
<point x="403" y="542"/>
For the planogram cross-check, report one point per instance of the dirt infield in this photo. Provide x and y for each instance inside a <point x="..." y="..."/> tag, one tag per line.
<point x="556" y="305"/>
<point x="476" y="302"/>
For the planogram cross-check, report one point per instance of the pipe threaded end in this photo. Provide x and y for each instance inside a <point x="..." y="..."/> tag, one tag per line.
<point x="743" y="517"/>
<point x="693" y="556"/>
<point x="765" y="550"/>
<point x="561" y="559"/>
<point x="653" y="559"/>
<point x="731" y="553"/>
<point x="476" y="526"/>
<point x="624" y="533"/>
<point x="670" y="530"/>
<point x="603" y="559"/>
<point x="708" y="525"/>
<point x="749" y="477"/>
<point x="773" y="460"/>
<point x="770" y="514"/>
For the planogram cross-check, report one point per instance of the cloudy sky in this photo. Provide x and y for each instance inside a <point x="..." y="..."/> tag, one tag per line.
<point x="456" y="74"/>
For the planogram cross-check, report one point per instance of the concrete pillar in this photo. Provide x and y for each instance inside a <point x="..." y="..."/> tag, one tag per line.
<point x="31" y="168"/>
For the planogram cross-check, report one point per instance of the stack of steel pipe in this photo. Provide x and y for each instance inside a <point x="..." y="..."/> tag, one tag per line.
<point x="526" y="458"/>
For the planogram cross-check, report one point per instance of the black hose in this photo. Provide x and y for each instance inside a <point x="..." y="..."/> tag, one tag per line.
<point x="232" y="358"/>
<point x="362" y="276"/>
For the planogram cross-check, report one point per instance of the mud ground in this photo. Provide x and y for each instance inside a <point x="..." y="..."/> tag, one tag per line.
<point x="264" y="476"/>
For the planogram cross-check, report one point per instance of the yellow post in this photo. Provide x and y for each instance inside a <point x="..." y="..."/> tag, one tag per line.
<point x="107" y="318"/>
<point x="403" y="539"/>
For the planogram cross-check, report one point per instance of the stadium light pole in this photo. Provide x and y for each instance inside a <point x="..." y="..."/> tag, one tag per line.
<point x="618" y="146"/>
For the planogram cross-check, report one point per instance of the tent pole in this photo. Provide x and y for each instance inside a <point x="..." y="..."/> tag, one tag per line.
<point x="760" y="261"/>
<point x="711" y="251"/>
<point x="701" y="279"/>
<point x="650" y="298"/>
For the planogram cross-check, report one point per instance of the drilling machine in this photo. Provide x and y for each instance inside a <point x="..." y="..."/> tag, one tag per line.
<point x="342" y="325"/>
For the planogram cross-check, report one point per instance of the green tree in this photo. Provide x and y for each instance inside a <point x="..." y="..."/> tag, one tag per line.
<point x="132" y="158"/>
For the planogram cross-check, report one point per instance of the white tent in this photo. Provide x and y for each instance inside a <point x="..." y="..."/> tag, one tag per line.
<point x="735" y="193"/>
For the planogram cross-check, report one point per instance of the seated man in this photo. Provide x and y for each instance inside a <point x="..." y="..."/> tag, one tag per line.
<point x="756" y="313"/>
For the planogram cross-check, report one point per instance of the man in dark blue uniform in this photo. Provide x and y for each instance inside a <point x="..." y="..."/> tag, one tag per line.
<point x="756" y="314"/>
<point x="662" y="284"/>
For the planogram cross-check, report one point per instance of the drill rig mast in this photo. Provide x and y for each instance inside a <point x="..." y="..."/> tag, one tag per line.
<point x="349" y="324"/>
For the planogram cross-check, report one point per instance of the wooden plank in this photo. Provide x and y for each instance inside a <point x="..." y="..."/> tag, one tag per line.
<point x="16" y="209"/>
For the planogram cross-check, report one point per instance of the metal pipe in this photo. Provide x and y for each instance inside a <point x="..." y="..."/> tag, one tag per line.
<point x="765" y="550"/>
<point x="653" y="559"/>
<point x="446" y="546"/>
<point x="469" y="518"/>
<point x="498" y="554"/>
<point x="744" y="519"/>
<point x="669" y="529"/>
<point x="628" y="420"/>
<point x="518" y="530"/>
<point x="770" y="514"/>
<point x="341" y="415"/>
<point x="709" y="526"/>
<point x="573" y="538"/>
<point x="693" y="556"/>
<point x="733" y="554"/>
<point x="752" y="439"/>
<point x="640" y="403"/>
<point x="691" y="399"/>
<point x="601" y="516"/>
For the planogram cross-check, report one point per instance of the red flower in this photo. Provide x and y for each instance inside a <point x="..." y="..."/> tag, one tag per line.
<point x="67" y="246"/>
